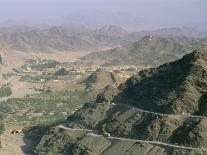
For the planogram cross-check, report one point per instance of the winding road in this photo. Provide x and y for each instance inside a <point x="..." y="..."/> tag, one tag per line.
<point x="95" y="133"/>
<point x="156" y="113"/>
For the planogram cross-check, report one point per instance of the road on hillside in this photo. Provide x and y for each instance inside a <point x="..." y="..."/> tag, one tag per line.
<point x="94" y="133"/>
<point x="156" y="113"/>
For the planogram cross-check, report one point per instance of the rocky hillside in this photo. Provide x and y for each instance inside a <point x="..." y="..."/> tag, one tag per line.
<point x="176" y="91"/>
<point x="160" y="111"/>
<point x="84" y="143"/>
<point x="176" y="87"/>
<point x="147" y="51"/>
<point x="130" y="130"/>
<point x="102" y="78"/>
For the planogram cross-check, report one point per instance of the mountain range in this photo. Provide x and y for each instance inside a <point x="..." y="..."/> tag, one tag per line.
<point x="70" y="37"/>
<point x="74" y="37"/>
<point x="149" y="50"/>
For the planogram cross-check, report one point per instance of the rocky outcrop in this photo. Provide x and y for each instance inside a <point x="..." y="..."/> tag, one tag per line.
<point x="101" y="79"/>
<point x="175" y="87"/>
<point x="192" y="133"/>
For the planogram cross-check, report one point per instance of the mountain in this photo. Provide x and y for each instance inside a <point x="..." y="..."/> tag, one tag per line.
<point x="147" y="51"/>
<point x="160" y="111"/>
<point x="75" y="37"/>
<point x="69" y="37"/>
<point x="76" y="143"/>
<point x="112" y="30"/>
<point x="112" y="35"/>
<point x="173" y="31"/>
<point x="192" y="133"/>
<point x="102" y="78"/>
<point x="43" y="40"/>
<point x="75" y="29"/>
<point x="175" y="87"/>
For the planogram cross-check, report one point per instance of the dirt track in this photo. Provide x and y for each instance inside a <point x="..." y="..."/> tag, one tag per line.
<point x="94" y="133"/>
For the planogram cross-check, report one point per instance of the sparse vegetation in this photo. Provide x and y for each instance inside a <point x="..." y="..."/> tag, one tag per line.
<point x="6" y="76"/>
<point x="1" y="128"/>
<point x="131" y="69"/>
<point x="38" y="77"/>
<point x="2" y="117"/>
<point x="40" y="64"/>
<point x="5" y="90"/>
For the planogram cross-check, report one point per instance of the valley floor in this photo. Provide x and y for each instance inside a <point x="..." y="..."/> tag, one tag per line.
<point x="15" y="144"/>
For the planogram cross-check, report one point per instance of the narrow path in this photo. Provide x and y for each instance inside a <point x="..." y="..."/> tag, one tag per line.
<point x="94" y="133"/>
<point x="160" y="114"/>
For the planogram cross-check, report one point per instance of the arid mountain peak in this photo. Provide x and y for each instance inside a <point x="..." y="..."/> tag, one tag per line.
<point x="174" y="87"/>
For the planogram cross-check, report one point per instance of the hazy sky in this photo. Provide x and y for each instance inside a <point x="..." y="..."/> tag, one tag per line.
<point x="132" y="14"/>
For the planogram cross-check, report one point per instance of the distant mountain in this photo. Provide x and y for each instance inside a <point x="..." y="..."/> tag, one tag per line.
<point x="149" y="50"/>
<point x="70" y="37"/>
<point x="43" y="40"/>
<point x="74" y="37"/>
<point x="111" y="30"/>
<point x="75" y="29"/>
<point x="174" y="31"/>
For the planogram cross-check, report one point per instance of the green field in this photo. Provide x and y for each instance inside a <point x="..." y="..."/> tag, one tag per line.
<point x="2" y="117"/>
<point x="44" y="108"/>
<point x="5" y="91"/>
<point x="40" y="65"/>
<point x="38" y="77"/>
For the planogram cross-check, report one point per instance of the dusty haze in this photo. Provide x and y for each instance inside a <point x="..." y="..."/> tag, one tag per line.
<point x="130" y="14"/>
